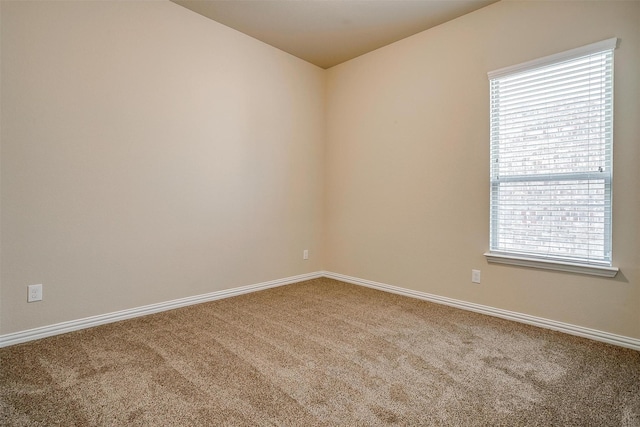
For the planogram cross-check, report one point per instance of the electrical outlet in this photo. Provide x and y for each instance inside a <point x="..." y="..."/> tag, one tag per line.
<point x="34" y="293"/>
<point x="475" y="276"/>
<point x="305" y="254"/>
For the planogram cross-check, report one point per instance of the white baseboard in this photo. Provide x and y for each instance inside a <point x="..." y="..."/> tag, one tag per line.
<point x="88" y="322"/>
<point x="594" y="334"/>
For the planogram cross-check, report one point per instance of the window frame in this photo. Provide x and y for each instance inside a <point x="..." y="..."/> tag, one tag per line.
<point x="551" y="262"/>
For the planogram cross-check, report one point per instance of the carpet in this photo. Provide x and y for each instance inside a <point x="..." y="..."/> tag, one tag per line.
<point x="318" y="353"/>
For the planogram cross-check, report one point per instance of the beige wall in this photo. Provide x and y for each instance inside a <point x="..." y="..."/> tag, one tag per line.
<point x="407" y="194"/>
<point x="150" y="154"/>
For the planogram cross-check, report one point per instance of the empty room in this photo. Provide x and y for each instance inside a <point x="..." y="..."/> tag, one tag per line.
<point x="319" y="213"/>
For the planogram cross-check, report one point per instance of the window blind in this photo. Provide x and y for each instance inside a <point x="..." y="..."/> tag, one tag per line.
<point x="551" y="166"/>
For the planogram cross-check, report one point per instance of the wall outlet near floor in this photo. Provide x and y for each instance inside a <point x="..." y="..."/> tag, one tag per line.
<point x="34" y="293"/>
<point x="305" y="254"/>
<point x="475" y="276"/>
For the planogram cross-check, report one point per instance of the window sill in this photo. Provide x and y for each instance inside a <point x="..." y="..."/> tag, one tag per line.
<point x="593" y="270"/>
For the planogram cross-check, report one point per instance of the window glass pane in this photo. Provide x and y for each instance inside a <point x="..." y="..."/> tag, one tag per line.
<point x="551" y="134"/>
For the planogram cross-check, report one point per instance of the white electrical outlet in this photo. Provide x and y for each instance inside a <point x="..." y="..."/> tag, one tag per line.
<point x="475" y="276"/>
<point x="305" y="254"/>
<point x="34" y="293"/>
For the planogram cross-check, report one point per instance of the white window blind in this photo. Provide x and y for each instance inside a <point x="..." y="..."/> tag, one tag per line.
<point x="551" y="139"/>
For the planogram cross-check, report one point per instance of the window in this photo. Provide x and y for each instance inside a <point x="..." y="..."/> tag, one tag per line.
<point x="551" y="138"/>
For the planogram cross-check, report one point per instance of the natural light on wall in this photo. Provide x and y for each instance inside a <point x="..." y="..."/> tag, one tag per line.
<point x="551" y="163"/>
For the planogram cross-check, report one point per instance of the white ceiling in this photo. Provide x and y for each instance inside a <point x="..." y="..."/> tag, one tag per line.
<point x="328" y="32"/>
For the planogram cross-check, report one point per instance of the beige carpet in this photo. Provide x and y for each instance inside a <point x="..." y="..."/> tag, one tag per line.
<point x="318" y="353"/>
